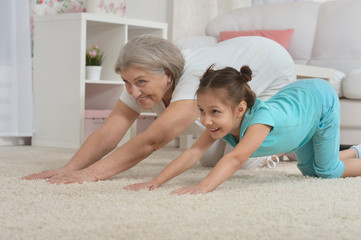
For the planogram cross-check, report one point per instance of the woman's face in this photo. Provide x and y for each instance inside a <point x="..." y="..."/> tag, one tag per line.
<point x="146" y="87"/>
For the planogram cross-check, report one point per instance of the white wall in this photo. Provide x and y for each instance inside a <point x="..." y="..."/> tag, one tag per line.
<point x="154" y="10"/>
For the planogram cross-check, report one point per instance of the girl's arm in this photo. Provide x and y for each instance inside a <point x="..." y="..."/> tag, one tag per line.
<point x="177" y="117"/>
<point x="185" y="161"/>
<point x="98" y="144"/>
<point x="231" y="162"/>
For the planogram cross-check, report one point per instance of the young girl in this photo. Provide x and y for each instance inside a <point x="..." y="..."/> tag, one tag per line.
<point x="303" y="117"/>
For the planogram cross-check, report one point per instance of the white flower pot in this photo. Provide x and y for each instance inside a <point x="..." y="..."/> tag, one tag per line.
<point x="93" y="72"/>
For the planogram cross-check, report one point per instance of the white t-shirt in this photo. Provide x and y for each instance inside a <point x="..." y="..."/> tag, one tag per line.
<point x="271" y="65"/>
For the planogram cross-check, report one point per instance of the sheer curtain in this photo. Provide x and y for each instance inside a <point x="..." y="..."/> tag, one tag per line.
<point x="16" y="111"/>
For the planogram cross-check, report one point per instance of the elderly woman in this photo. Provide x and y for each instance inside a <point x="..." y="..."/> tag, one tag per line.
<point x="160" y="78"/>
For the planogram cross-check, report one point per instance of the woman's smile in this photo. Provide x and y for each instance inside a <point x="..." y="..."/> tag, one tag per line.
<point x="143" y="99"/>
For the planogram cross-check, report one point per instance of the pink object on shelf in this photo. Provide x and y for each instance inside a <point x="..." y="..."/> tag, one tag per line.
<point x="93" y="120"/>
<point x="97" y="113"/>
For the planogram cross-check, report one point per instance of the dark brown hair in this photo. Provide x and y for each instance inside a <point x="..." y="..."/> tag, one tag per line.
<point x="233" y="82"/>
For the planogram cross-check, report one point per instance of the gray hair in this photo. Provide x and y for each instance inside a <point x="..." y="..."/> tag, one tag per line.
<point x="151" y="53"/>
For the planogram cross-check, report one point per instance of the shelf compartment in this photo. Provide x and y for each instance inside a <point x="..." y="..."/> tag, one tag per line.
<point x="102" y="96"/>
<point x="110" y="38"/>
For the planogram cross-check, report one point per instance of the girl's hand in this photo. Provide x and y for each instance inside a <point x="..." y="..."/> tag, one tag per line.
<point x="45" y="174"/>
<point x="151" y="185"/>
<point x="197" y="189"/>
<point x="73" y="177"/>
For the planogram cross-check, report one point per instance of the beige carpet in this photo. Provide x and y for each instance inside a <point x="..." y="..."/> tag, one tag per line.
<point x="253" y="204"/>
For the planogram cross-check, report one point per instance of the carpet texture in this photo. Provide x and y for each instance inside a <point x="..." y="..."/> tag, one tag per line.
<point x="253" y="204"/>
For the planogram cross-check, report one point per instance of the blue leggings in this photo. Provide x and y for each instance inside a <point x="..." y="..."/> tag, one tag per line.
<point x="320" y="155"/>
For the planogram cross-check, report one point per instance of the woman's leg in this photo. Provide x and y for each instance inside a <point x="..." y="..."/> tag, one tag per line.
<point x="220" y="148"/>
<point x="213" y="154"/>
<point x="256" y="162"/>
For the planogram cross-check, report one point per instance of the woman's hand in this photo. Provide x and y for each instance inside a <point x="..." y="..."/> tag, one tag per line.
<point x="197" y="189"/>
<point x="151" y="185"/>
<point x="45" y="174"/>
<point x="80" y="176"/>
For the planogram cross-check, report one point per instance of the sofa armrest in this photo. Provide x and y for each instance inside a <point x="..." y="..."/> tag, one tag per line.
<point x="305" y="71"/>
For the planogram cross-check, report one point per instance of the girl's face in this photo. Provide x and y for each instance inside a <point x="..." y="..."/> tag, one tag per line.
<point x="218" y="117"/>
<point x="146" y="87"/>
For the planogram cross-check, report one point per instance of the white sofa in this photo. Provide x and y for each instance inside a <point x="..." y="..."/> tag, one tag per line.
<point x="325" y="35"/>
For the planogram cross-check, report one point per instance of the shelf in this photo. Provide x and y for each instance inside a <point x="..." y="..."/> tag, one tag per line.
<point x="60" y="118"/>
<point x="111" y="82"/>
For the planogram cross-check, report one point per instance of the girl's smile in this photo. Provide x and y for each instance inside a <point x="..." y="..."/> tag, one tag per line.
<point x="214" y="129"/>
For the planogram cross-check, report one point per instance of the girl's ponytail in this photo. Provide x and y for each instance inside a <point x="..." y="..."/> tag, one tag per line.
<point x="246" y="74"/>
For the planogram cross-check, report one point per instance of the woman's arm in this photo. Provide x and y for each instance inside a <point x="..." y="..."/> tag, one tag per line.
<point x="185" y="161"/>
<point x="98" y="144"/>
<point x="105" y="139"/>
<point x="231" y="162"/>
<point x="177" y="117"/>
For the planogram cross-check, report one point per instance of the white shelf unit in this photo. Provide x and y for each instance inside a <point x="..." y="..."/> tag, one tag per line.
<point x="61" y="92"/>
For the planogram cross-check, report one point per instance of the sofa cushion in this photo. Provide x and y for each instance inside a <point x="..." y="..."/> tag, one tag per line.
<point x="283" y="37"/>
<point x="301" y="16"/>
<point x="338" y="36"/>
<point x="351" y="84"/>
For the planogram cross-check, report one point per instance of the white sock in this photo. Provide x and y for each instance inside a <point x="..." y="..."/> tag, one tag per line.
<point x="259" y="162"/>
<point x="357" y="149"/>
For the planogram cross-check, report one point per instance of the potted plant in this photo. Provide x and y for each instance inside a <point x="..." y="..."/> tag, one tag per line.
<point x="93" y="61"/>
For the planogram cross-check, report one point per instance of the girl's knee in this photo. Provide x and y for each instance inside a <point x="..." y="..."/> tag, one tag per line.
<point x="334" y="171"/>
<point x="307" y="170"/>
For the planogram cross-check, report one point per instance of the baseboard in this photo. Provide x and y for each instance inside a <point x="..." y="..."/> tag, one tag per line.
<point x="15" y="141"/>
